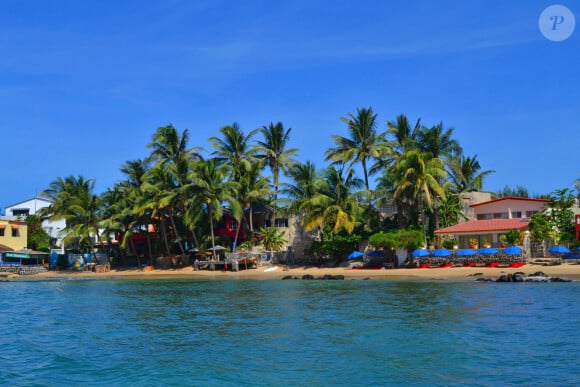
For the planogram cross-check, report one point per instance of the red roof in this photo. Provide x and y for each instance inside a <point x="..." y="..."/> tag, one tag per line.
<point x="513" y="198"/>
<point x="489" y="225"/>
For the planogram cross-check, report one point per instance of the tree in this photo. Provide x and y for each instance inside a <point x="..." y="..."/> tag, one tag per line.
<point x="519" y="192"/>
<point x="335" y="204"/>
<point x="234" y="149"/>
<point x="562" y="217"/>
<point x="420" y="174"/>
<point x="305" y="183"/>
<point x="74" y="200"/>
<point x="540" y="227"/>
<point x="274" y="150"/>
<point x="465" y="173"/>
<point x="364" y="143"/>
<point x="209" y="181"/>
<point x="38" y="239"/>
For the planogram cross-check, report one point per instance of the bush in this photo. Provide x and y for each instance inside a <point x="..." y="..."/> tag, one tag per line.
<point x="407" y="238"/>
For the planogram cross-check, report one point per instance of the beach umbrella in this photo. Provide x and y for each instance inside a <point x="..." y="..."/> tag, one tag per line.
<point x="466" y="252"/>
<point x="218" y="247"/>
<point x="560" y="250"/>
<point x="441" y="253"/>
<point x="355" y="254"/>
<point x="512" y="250"/>
<point x="420" y="253"/>
<point x="376" y="253"/>
<point x="488" y="251"/>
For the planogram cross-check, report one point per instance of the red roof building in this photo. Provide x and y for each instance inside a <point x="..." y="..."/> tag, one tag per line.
<point x="494" y="218"/>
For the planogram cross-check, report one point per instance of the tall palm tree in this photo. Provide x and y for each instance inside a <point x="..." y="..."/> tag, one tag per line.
<point x="234" y="148"/>
<point x="420" y="173"/>
<point x="75" y="201"/>
<point x="438" y="141"/>
<point x="210" y="179"/>
<point x="252" y="187"/>
<point x="170" y="149"/>
<point x="364" y="143"/>
<point x="274" y="149"/>
<point x="465" y="173"/>
<point x="304" y="184"/>
<point x="336" y="203"/>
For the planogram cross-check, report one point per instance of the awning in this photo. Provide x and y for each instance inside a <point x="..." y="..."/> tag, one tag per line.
<point x="15" y="227"/>
<point x="2" y="226"/>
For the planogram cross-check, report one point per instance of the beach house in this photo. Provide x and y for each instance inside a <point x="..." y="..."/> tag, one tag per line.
<point x="13" y="234"/>
<point x="32" y="206"/>
<point x="490" y="219"/>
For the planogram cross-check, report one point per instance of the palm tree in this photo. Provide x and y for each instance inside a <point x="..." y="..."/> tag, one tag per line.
<point x="336" y="203"/>
<point x="74" y="200"/>
<point x="305" y="184"/>
<point x="234" y="148"/>
<point x="420" y="173"/>
<point x="209" y="179"/>
<point x="437" y="141"/>
<point x="274" y="149"/>
<point x="465" y="174"/>
<point x="170" y="149"/>
<point x="364" y="143"/>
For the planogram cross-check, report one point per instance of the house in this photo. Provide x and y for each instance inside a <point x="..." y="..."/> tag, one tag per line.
<point x="13" y="234"/>
<point x="32" y="206"/>
<point x="493" y="218"/>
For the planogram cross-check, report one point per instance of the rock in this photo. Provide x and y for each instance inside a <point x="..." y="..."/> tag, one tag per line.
<point x="502" y="278"/>
<point x="307" y="277"/>
<point x="287" y="277"/>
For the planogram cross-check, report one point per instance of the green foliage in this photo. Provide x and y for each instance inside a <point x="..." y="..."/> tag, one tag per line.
<point x="512" y="237"/>
<point x="409" y="238"/>
<point x="340" y="245"/>
<point x="38" y="239"/>
<point x="519" y="192"/>
<point x="273" y="238"/>
<point x="540" y="227"/>
<point x="562" y="217"/>
<point x="448" y="243"/>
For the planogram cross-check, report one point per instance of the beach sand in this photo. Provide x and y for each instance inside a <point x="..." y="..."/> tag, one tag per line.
<point x="277" y="272"/>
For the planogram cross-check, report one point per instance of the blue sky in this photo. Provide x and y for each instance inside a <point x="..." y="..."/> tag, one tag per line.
<point x="83" y="85"/>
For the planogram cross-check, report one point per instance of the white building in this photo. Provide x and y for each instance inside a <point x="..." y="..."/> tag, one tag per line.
<point x="30" y="207"/>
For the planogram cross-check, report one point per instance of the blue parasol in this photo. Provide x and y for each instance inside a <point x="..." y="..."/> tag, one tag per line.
<point x="420" y="253"/>
<point x="512" y="250"/>
<point x="466" y="252"/>
<point x="560" y="250"/>
<point x="441" y="253"/>
<point x="488" y="251"/>
<point x="355" y="254"/>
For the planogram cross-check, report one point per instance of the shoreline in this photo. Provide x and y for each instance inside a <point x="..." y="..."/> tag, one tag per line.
<point x="278" y="272"/>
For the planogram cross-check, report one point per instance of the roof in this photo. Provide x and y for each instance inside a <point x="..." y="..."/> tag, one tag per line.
<point x="29" y="200"/>
<point x="489" y="225"/>
<point x="514" y="198"/>
<point x="5" y="248"/>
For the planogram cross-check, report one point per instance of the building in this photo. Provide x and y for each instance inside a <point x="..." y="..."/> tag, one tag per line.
<point x="13" y="234"/>
<point x="493" y="218"/>
<point x="31" y="207"/>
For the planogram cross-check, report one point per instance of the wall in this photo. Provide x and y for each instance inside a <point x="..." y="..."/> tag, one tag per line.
<point x="16" y="243"/>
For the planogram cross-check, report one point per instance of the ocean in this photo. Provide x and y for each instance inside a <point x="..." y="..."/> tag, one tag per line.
<point x="163" y="332"/>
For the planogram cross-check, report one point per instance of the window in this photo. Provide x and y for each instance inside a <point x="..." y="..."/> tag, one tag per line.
<point x="516" y="214"/>
<point x="15" y="232"/>
<point x="233" y="224"/>
<point x="1" y="231"/>
<point x="22" y="212"/>
<point x="501" y="215"/>
<point x="281" y="222"/>
<point x="484" y="216"/>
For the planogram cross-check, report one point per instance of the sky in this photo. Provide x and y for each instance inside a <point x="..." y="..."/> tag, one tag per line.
<point x="84" y="85"/>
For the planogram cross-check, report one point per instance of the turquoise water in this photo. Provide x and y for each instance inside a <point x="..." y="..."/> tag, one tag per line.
<point x="318" y="333"/>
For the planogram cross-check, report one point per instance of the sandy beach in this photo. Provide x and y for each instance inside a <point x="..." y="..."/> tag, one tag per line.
<point x="277" y="272"/>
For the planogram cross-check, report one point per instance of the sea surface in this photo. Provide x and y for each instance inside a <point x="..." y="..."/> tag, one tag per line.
<point x="72" y="332"/>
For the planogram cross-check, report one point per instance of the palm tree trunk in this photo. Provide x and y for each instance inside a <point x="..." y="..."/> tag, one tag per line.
<point x="210" y="213"/>
<point x="176" y="234"/>
<point x="164" y="232"/>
